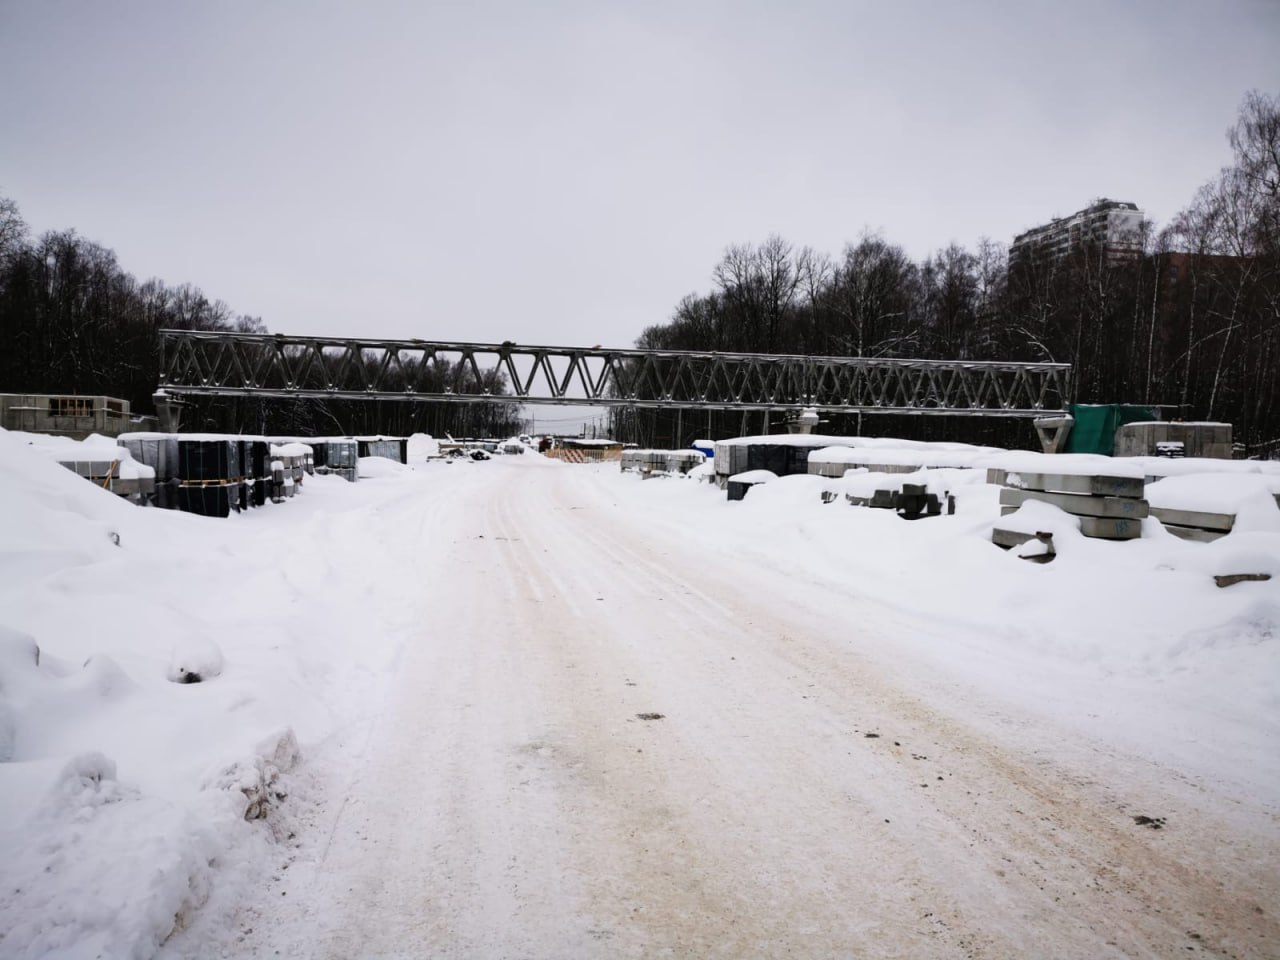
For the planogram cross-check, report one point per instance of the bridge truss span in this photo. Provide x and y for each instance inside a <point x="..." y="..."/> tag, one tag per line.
<point x="264" y="365"/>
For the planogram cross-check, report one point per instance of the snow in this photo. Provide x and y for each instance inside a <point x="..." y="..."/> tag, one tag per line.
<point x="105" y="865"/>
<point x="1250" y="497"/>
<point x="754" y="476"/>
<point x="420" y="695"/>
<point x="591" y="442"/>
<point x="292" y="449"/>
<point x="1184" y="466"/>
<point x="792" y="439"/>
<point x="887" y="451"/>
<point x="379" y="467"/>
<point x="1176" y="423"/>
<point x="422" y="446"/>
<point x="93" y="449"/>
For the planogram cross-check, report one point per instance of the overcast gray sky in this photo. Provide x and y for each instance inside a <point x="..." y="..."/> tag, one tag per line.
<point x="563" y="172"/>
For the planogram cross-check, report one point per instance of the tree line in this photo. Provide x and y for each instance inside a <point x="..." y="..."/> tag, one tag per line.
<point x="1190" y="322"/>
<point x="73" y="321"/>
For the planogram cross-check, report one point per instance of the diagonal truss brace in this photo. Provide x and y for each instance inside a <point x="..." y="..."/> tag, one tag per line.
<point x="265" y="365"/>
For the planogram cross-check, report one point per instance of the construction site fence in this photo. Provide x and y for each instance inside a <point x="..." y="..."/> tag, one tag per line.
<point x="585" y="455"/>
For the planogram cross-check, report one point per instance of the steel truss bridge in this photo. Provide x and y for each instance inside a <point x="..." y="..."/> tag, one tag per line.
<point x="199" y="363"/>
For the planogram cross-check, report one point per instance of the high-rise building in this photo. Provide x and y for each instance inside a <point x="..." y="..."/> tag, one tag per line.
<point x="1109" y="225"/>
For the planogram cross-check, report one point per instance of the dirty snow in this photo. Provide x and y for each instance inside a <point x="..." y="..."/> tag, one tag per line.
<point x="417" y="728"/>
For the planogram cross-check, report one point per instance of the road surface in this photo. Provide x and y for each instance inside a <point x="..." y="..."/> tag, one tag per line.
<point x="608" y="743"/>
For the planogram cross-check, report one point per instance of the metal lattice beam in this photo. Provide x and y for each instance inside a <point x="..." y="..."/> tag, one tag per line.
<point x="265" y="365"/>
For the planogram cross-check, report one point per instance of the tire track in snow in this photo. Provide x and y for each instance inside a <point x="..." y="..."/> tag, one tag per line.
<point x="1055" y="842"/>
<point x="715" y="844"/>
<point x="512" y="805"/>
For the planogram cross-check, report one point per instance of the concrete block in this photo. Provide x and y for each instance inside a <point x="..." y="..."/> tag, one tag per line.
<point x="1194" y="518"/>
<point x="884" y="500"/>
<point x="1198" y="439"/>
<point x="836" y="470"/>
<point x="1111" y="528"/>
<point x="1103" y="486"/>
<point x="1010" y="538"/>
<point x="1007" y="539"/>
<point x="1077" y="504"/>
<point x="1195" y="534"/>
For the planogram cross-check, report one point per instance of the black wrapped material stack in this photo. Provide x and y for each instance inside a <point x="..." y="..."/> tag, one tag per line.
<point x="210" y="476"/>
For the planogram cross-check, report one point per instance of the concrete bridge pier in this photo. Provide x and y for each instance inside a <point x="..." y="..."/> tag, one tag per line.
<point x="169" y="410"/>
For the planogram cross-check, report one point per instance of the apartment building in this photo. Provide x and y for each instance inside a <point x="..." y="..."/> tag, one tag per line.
<point x="1113" y="226"/>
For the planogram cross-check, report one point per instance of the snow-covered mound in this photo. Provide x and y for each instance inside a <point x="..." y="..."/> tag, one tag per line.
<point x="132" y="798"/>
<point x="1250" y="497"/>
<point x="421" y="446"/>
<point x="371" y="468"/>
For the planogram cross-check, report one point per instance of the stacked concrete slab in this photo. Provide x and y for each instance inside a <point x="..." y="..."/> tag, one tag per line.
<point x="682" y="461"/>
<point x="1160" y="437"/>
<point x="1107" y="507"/>
<point x="661" y="461"/>
<point x="1194" y="524"/>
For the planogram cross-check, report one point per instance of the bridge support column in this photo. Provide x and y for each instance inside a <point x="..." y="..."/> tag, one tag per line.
<point x="169" y="410"/>
<point x="804" y="422"/>
<point x="1053" y="432"/>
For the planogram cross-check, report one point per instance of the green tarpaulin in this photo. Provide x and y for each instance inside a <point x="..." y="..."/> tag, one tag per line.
<point x="1096" y="424"/>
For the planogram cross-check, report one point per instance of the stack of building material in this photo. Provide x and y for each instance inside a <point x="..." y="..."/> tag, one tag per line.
<point x="160" y="452"/>
<point x="911" y="500"/>
<point x="651" y="462"/>
<point x="255" y="460"/>
<point x="210" y="476"/>
<point x="782" y="456"/>
<point x="1206" y="507"/>
<point x="133" y="484"/>
<point x="1198" y="525"/>
<point x="682" y="461"/>
<point x="296" y="459"/>
<point x="282" y="486"/>
<point x="1106" y="507"/>
<point x="391" y="448"/>
<point x="335" y="455"/>
<point x="1145" y="438"/>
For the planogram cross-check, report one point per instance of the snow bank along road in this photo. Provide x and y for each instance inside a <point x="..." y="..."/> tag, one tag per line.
<point x="609" y="740"/>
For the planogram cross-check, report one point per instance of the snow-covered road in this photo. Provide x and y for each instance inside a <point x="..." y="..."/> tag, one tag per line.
<point x="608" y="740"/>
